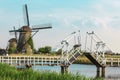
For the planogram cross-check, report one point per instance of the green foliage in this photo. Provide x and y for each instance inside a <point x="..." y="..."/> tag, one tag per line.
<point x="41" y="50"/>
<point x="46" y="49"/>
<point x="11" y="50"/>
<point x="59" y="52"/>
<point x="30" y="42"/>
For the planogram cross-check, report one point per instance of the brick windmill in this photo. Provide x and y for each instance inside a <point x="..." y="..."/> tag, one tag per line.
<point x="25" y="42"/>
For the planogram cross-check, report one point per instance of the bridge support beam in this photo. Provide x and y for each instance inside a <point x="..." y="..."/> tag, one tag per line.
<point x="103" y="72"/>
<point x="102" y="69"/>
<point x="28" y="66"/>
<point x="98" y="72"/>
<point x="64" y="69"/>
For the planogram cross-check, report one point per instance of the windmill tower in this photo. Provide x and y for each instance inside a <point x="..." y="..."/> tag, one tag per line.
<point x="25" y="42"/>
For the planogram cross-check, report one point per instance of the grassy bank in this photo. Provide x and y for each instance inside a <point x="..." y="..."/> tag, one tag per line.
<point x="82" y="60"/>
<point x="10" y="73"/>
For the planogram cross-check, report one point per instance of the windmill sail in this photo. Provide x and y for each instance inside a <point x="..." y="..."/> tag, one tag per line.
<point x="26" y="16"/>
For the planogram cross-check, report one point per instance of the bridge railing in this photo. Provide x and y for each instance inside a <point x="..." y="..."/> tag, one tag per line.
<point x="32" y="60"/>
<point x="112" y="61"/>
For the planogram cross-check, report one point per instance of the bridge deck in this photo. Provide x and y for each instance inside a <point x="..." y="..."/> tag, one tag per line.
<point x="47" y="60"/>
<point x="92" y="59"/>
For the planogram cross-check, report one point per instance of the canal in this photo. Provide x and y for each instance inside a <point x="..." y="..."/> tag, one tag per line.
<point x="112" y="73"/>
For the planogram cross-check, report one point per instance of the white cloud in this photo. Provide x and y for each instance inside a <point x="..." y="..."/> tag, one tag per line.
<point x="101" y="25"/>
<point x="109" y="33"/>
<point x="112" y="3"/>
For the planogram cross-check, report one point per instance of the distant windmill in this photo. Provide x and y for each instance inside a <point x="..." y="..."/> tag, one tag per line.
<point x="11" y="46"/>
<point x="25" y="42"/>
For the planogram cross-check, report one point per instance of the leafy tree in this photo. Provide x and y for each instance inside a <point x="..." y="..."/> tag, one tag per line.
<point x="3" y="52"/>
<point x="59" y="52"/>
<point x="41" y="50"/>
<point x="46" y="49"/>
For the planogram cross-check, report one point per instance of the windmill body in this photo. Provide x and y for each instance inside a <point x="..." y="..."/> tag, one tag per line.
<point x="12" y="45"/>
<point x="23" y="45"/>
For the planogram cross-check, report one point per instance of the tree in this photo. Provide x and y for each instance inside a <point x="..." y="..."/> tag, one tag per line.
<point x="3" y="52"/>
<point x="41" y="50"/>
<point x="59" y="52"/>
<point x="46" y="49"/>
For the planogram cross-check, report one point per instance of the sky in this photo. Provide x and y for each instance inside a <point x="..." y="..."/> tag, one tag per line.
<point x="66" y="16"/>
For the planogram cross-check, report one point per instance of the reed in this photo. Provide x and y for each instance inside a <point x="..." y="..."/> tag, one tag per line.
<point x="10" y="73"/>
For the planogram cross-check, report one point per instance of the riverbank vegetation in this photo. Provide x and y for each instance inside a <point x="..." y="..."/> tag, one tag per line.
<point x="82" y="60"/>
<point x="10" y="73"/>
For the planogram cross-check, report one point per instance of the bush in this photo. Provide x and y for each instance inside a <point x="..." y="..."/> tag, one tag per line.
<point x="46" y="49"/>
<point x="59" y="52"/>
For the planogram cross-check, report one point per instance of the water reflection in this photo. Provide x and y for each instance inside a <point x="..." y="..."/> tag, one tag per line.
<point x="112" y="73"/>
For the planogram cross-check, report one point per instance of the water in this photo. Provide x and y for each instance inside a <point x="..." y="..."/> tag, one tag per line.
<point x="112" y="73"/>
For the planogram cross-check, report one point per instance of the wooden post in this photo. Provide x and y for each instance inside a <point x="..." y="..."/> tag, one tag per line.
<point x="111" y="62"/>
<point x="11" y="60"/>
<point x="103" y="71"/>
<point x="118" y="62"/>
<point x="28" y="66"/>
<point x="64" y="69"/>
<point x="98" y="72"/>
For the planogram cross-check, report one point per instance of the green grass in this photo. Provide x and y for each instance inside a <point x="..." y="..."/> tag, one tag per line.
<point x="10" y="73"/>
<point x="82" y="60"/>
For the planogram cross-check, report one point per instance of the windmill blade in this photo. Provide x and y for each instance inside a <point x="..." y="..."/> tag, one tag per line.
<point x="26" y="16"/>
<point x="42" y="26"/>
<point x="19" y="30"/>
<point x="15" y="33"/>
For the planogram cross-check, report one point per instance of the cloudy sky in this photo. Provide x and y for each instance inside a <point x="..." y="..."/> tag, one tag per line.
<point x="66" y="16"/>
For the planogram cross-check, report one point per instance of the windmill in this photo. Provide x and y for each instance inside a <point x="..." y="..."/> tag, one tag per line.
<point x="12" y="43"/>
<point x="25" y="42"/>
